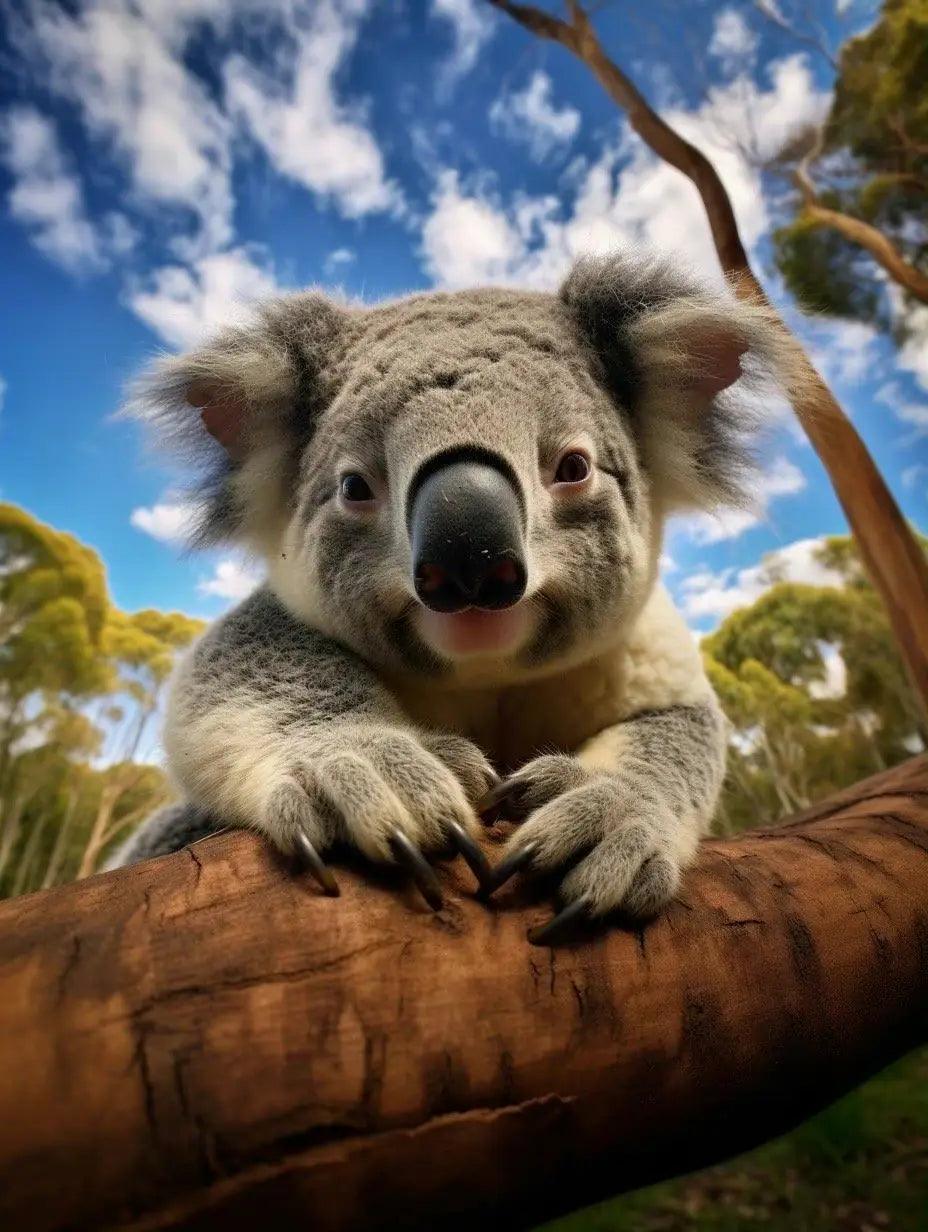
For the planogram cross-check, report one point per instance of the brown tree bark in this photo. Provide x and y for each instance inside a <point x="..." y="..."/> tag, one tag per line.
<point x="205" y="1042"/>
<point x="886" y="543"/>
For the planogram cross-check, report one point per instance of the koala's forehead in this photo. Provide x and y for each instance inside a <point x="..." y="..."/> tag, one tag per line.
<point x="436" y="368"/>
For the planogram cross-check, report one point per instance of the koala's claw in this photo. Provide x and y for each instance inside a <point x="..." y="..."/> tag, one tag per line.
<point x="316" y="865"/>
<point x="535" y="784"/>
<point x="506" y="791"/>
<point x="512" y="864"/>
<point x="552" y="931"/>
<point x="479" y="864"/>
<point x="419" y="868"/>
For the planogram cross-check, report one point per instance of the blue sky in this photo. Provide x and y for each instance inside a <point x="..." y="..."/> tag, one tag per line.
<point x="164" y="162"/>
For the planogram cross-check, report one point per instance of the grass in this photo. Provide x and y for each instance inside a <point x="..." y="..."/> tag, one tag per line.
<point x="859" y="1166"/>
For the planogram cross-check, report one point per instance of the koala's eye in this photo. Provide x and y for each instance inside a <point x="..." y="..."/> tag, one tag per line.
<point x="355" y="489"/>
<point x="572" y="468"/>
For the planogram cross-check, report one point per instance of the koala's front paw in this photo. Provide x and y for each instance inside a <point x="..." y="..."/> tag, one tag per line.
<point x="625" y="845"/>
<point x="384" y="792"/>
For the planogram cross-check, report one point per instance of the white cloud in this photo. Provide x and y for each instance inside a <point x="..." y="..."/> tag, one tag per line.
<point x="530" y="116"/>
<point x="339" y="258"/>
<point x="472" y="25"/>
<point x="707" y="594"/>
<point x="628" y="197"/>
<point x="168" y="521"/>
<point x="122" y="66"/>
<point x="912" y="474"/>
<point x="783" y="478"/>
<point x="308" y="135"/>
<point x="46" y="195"/>
<point x="913" y="354"/>
<point x="844" y="352"/>
<point x="733" y="41"/>
<point x="912" y="414"/>
<point x="232" y="579"/>
<point x="466" y="239"/>
<point x="184" y="305"/>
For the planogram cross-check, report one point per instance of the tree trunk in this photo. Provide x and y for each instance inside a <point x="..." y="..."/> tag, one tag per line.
<point x="53" y="867"/>
<point x="887" y="546"/>
<point x="205" y="1042"/>
<point x="109" y="797"/>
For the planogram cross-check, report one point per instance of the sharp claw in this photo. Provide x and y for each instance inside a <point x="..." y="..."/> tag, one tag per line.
<point x="550" y="933"/>
<point x="314" y="862"/>
<point x="479" y="864"/>
<point x="498" y="793"/>
<point x="419" y="868"/>
<point x="509" y="867"/>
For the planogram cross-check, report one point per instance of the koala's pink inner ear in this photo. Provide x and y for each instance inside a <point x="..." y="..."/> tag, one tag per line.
<point x="223" y="417"/>
<point x="716" y="362"/>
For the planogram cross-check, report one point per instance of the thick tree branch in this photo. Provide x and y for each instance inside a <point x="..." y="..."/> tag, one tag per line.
<point x="205" y="1042"/>
<point x="886" y="543"/>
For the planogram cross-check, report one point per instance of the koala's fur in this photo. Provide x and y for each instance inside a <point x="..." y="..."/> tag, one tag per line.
<point x="319" y="704"/>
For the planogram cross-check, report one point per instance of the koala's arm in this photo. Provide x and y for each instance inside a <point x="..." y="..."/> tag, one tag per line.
<point x="274" y="727"/>
<point x="627" y="810"/>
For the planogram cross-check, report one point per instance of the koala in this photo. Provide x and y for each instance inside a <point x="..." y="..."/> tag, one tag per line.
<point x="460" y="499"/>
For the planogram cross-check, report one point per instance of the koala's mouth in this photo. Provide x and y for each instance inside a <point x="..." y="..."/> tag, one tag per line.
<point x="474" y="631"/>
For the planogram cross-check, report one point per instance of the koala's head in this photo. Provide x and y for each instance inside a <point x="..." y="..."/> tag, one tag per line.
<point x="471" y="483"/>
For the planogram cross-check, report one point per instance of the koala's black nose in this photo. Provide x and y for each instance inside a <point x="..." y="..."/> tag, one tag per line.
<point x="465" y="527"/>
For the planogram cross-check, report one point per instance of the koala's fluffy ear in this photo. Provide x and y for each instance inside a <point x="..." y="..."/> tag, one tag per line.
<point x="669" y="352"/>
<point x="241" y="408"/>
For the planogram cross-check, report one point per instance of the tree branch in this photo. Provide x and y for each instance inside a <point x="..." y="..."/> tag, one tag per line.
<point x="205" y="1042"/>
<point x="816" y="41"/>
<point x="886" y="543"/>
<point x="855" y="230"/>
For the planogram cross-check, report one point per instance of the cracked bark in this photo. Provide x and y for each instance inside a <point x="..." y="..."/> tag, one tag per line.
<point x="212" y="1044"/>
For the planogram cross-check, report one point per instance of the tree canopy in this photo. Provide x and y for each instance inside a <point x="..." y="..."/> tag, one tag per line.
<point x="811" y="679"/>
<point x="80" y="682"/>
<point x="863" y="208"/>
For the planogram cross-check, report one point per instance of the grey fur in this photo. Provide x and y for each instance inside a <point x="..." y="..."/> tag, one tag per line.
<point x="324" y="703"/>
<point x="627" y="821"/>
<point x="169" y="829"/>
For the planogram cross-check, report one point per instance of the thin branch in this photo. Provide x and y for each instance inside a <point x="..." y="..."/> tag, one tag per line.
<point x="858" y="232"/>
<point x="817" y="42"/>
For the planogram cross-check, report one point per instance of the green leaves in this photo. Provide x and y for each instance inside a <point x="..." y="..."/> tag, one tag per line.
<point x="811" y="680"/>
<point x="873" y="167"/>
<point x="79" y="679"/>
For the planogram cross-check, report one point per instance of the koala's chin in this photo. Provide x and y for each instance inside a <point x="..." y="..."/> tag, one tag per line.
<point x="475" y="632"/>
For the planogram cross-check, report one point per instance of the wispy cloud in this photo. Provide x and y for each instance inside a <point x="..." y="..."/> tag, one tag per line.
<point x="530" y="116"/>
<point x="338" y="259"/>
<point x="910" y="413"/>
<point x="782" y="478"/>
<point x="628" y="197"/>
<point x="709" y="594"/>
<point x="183" y="305"/>
<point x="733" y="41"/>
<point x="46" y="196"/>
<point x="292" y="111"/>
<point x="122" y="66"/>
<point x="472" y="25"/>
